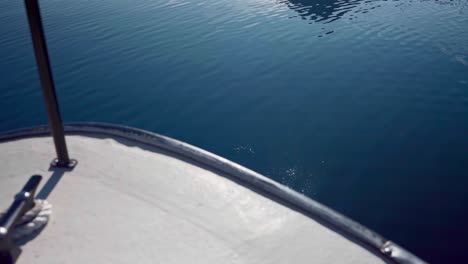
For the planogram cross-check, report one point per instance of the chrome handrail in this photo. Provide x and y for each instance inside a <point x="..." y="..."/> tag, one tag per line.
<point x="22" y="202"/>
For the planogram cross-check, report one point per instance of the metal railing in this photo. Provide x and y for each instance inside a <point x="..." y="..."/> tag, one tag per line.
<point x="47" y="84"/>
<point x="23" y="202"/>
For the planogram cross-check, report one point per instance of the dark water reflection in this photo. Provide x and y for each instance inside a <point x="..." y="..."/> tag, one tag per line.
<point x="328" y="11"/>
<point x="324" y="11"/>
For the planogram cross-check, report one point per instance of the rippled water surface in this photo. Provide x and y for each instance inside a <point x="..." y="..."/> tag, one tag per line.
<point x="362" y="105"/>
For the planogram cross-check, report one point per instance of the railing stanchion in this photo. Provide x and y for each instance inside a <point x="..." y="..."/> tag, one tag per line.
<point x="47" y="83"/>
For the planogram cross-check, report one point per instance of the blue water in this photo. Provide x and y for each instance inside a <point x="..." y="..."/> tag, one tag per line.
<point x="361" y="105"/>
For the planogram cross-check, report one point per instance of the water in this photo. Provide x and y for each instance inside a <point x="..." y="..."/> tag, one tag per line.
<point x="361" y="105"/>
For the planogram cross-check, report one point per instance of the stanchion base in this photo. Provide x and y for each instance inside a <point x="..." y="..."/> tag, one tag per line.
<point x="60" y="164"/>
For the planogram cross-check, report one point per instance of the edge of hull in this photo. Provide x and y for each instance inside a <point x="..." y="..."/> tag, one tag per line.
<point x="380" y="246"/>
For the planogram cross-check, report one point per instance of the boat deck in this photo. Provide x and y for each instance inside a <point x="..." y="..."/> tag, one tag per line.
<point x="130" y="202"/>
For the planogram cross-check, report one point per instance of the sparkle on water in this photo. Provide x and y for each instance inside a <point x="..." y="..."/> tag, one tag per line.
<point x="361" y="105"/>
